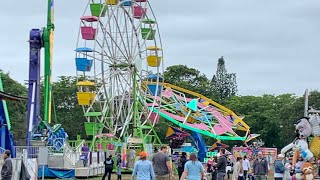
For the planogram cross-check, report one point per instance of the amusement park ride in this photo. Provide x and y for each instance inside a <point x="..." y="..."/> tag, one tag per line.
<point x="38" y="39"/>
<point x="6" y="138"/>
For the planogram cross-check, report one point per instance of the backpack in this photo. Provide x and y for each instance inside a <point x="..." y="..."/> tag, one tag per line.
<point x="180" y="164"/>
<point x="109" y="163"/>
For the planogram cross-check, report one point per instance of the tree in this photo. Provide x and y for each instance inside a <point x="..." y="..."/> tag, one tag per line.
<point x="69" y="113"/>
<point x="188" y="78"/>
<point x="16" y="109"/>
<point x="224" y="83"/>
<point x="271" y="116"/>
<point x="161" y="129"/>
<point x="314" y="100"/>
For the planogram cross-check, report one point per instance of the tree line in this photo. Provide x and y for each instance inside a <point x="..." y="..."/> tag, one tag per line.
<point x="272" y="116"/>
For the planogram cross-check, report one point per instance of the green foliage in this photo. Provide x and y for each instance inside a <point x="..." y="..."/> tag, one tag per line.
<point x="66" y="110"/>
<point x="17" y="109"/>
<point x="314" y="99"/>
<point x="188" y="78"/>
<point x="161" y="129"/>
<point x="224" y="83"/>
<point x="271" y="116"/>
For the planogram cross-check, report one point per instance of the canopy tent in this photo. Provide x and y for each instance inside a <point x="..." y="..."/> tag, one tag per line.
<point x="174" y="133"/>
<point x="217" y="145"/>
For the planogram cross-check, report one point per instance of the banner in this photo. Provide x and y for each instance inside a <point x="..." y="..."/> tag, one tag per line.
<point x="269" y="153"/>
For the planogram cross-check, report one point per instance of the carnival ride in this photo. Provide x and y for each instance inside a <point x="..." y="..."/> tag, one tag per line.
<point x="6" y="138"/>
<point x="39" y="129"/>
<point x="119" y="62"/>
<point x="111" y="52"/>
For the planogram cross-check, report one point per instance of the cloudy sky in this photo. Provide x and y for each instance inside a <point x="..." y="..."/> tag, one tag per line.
<point x="272" y="46"/>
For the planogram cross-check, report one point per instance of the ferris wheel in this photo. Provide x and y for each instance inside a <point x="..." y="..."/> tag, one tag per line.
<point x="119" y="63"/>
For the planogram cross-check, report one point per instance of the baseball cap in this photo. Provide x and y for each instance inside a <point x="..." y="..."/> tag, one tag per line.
<point x="143" y="154"/>
<point x="280" y="156"/>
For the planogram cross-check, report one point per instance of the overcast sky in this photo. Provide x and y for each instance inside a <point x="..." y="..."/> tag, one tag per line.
<point x="272" y="45"/>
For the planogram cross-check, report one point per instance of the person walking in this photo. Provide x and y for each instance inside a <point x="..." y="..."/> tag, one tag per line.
<point x="162" y="165"/>
<point x="181" y="162"/>
<point x="6" y="171"/>
<point x="238" y="170"/>
<point x="84" y="155"/>
<point x="108" y="167"/>
<point x="193" y="169"/>
<point x="221" y="165"/>
<point x="279" y="168"/>
<point x="119" y="166"/>
<point x="143" y="169"/>
<point x="260" y="167"/>
<point x="245" y="166"/>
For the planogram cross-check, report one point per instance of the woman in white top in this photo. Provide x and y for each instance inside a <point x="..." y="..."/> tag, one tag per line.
<point x="238" y="170"/>
<point x="245" y="166"/>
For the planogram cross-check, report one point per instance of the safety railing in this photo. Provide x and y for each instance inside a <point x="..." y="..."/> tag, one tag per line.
<point x="32" y="151"/>
<point x="70" y="154"/>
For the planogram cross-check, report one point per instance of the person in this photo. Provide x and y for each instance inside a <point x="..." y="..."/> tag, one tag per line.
<point x="209" y="165"/>
<point x="143" y="169"/>
<point x="6" y="171"/>
<point x="229" y="168"/>
<point x="260" y="167"/>
<point x="119" y="166"/>
<point x="193" y="169"/>
<point x="279" y="168"/>
<point x="214" y="171"/>
<point x="237" y="170"/>
<point x="181" y="162"/>
<point x="108" y="166"/>
<point x="131" y="158"/>
<point x="221" y="165"/>
<point x="245" y="166"/>
<point x="161" y="164"/>
<point x="84" y="155"/>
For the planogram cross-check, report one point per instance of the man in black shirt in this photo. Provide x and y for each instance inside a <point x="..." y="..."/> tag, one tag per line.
<point x="108" y="167"/>
<point x="6" y="171"/>
<point x="181" y="162"/>
<point x="221" y="165"/>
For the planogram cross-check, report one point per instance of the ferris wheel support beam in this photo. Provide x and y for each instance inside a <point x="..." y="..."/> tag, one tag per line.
<point x="136" y="130"/>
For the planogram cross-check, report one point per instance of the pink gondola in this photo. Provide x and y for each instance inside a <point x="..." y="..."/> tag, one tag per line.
<point x="88" y="33"/>
<point x="138" y="12"/>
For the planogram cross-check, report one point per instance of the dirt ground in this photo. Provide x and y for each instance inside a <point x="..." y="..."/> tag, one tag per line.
<point x="128" y="177"/>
